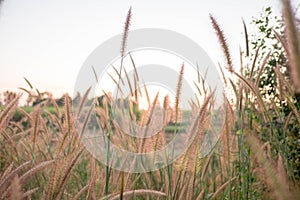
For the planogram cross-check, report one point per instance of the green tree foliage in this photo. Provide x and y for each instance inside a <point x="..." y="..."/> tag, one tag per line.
<point x="264" y="41"/>
<point x="285" y="124"/>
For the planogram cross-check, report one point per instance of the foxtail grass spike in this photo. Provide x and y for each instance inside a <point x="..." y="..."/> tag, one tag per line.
<point x="223" y="42"/>
<point x="293" y="41"/>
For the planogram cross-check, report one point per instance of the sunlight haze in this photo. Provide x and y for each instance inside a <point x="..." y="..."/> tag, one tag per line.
<point x="48" y="41"/>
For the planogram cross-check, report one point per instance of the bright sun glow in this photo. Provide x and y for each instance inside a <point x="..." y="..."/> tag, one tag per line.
<point x="109" y="79"/>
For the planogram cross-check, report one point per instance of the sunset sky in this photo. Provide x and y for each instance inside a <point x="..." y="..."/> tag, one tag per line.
<point x="48" y="41"/>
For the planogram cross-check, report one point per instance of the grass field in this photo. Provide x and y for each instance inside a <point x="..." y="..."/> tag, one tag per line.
<point x="256" y="156"/>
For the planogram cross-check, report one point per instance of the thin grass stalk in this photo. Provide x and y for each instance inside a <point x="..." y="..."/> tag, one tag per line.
<point x="122" y="186"/>
<point x="262" y="67"/>
<point x="5" y="179"/>
<point x="81" y="191"/>
<point x="35" y="126"/>
<point x="201" y="195"/>
<point x="128" y="81"/>
<point x="223" y="75"/>
<point x="83" y="101"/>
<point x="25" y="90"/>
<point x="116" y="83"/>
<point x="222" y="187"/>
<point x="195" y="172"/>
<point x="29" y="193"/>
<point x="205" y="167"/>
<point x="239" y="105"/>
<point x="287" y="121"/>
<point x="279" y="187"/>
<point x="53" y="102"/>
<point x="198" y="90"/>
<point x="34" y="170"/>
<point x="147" y="95"/>
<point x="107" y="172"/>
<point x="169" y="179"/>
<point x="254" y="62"/>
<point x="68" y="112"/>
<point x="256" y="92"/>
<point x="92" y="180"/>
<point x="10" y="140"/>
<point x="184" y="192"/>
<point x="132" y="193"/>
<point x="8" y="109"/>
<point x="198" y="73"/>
<point x="6" y="171"/>
<point x="149" y="118"/>
<point x="86" y="121"/>
<point x="282" y="41"/>
<point x="182" y="169"/>
<point x="119" y="75"/>
<point x="246" y="38"/>
<point x="177" y="101"/>
<point x="53" y="180"/>
<point x="134" y="67"/>
<point x="16" y="189"/>
<point x="68" y="171"/>
<point x="294" y="108"/>
<point x="28" y="82"/>
<point x="227" y="134"/>
<point x="95" y="74"/>
<point x="242" y="61"/>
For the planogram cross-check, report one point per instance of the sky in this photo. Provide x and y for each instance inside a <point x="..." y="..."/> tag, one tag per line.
<point x="48" y="41"/>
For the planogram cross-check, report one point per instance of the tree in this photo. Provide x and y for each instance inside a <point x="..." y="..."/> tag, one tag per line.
<point x="269" y="30"/>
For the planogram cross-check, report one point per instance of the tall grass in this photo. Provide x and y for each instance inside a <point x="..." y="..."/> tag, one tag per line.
<point x="42" y="156"/>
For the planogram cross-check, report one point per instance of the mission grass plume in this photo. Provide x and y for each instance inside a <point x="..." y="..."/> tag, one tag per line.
<point x="223" y="42"/>
<point x="8" y="111"/>
<point x="16" y="189"/>
<point x="293" y="42"/>
<point x="123" y="45"/>
<point x="178" y="92"/>
<point x="125" y="32"/>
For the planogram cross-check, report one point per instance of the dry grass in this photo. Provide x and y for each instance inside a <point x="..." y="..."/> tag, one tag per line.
<point x="42" y="156"/>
